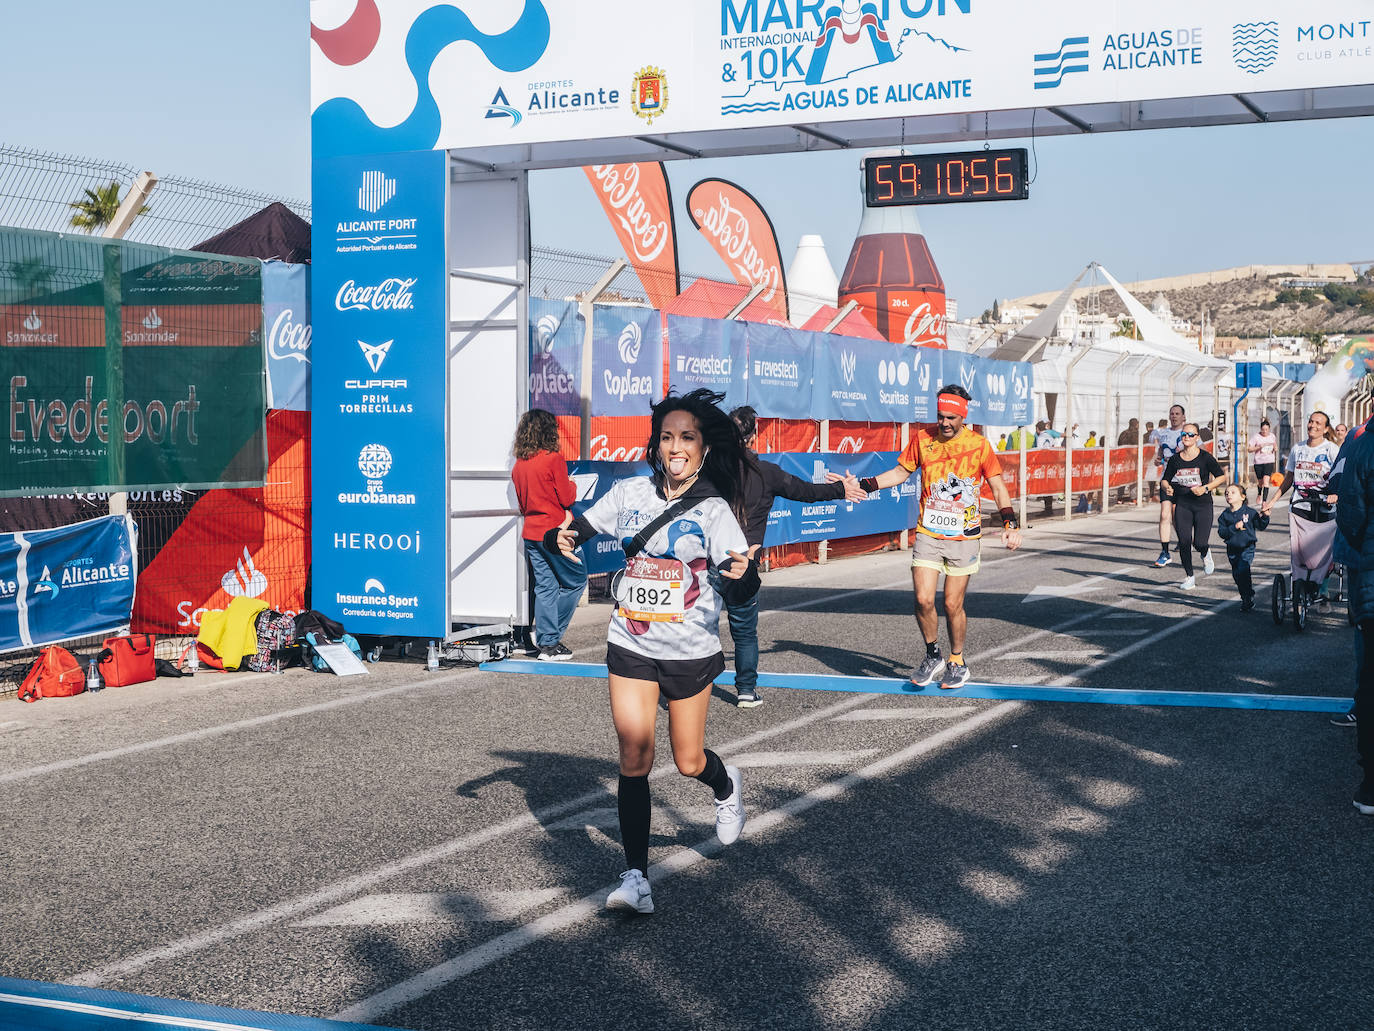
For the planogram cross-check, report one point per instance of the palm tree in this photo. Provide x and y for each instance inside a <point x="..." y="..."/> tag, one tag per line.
<point x="32" y="275"/>
<point x="97" y="208"/>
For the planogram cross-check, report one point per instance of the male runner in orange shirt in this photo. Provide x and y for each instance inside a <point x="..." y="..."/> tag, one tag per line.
<point x="954" y="461"/>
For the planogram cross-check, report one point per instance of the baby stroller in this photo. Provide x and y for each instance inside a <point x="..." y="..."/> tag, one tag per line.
<point x="1311" y="541"/>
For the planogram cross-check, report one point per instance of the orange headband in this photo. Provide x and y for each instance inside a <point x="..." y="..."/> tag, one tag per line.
<point x="952" y="404"/>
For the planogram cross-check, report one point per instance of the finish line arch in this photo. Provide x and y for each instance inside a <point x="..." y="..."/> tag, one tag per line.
<point x="427" y="118"/>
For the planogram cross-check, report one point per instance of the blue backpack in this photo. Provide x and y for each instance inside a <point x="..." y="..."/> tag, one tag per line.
<point x="317" y="663"/>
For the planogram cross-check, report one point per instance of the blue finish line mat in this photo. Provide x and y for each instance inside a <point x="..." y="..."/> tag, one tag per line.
<point x="998" y="692"/>
<point x="50" y="1007"/>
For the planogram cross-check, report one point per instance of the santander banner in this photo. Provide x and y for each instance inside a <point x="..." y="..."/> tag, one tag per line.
<point x="736" y="226"/>
<point x="635" y="198"/>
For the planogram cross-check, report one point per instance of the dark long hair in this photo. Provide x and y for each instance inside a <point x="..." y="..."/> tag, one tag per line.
<point x="725" y="462"/>
<point x="537" y="431"/>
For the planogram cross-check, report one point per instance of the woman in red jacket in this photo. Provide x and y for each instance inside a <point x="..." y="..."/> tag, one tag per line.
<point x="545" y="493"/>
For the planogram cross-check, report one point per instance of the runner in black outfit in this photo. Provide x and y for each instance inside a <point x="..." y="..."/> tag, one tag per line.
<point x="764" y="481"/>
<point x="1189" y="479"/>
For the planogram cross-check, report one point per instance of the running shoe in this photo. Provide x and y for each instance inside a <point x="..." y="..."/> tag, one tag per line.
<point x="929" y="671"/>
<point x="748" y="698"/>
<point x="1162" y="561"/>
<point x="1246" y="604"/>
<point x="564" y="652"/>
<point x="1345" y="719"/>
<point x="633" y="893"/>
<point x="956" y="675"/>
<point x="730" y="811"/>
<point x="554" y="653"/>
<point x="1364" y="798"/>
<point x="1188" y="584"/>
<point x="1208" y="566"/>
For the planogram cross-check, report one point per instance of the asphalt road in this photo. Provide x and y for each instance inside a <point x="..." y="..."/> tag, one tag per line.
<point x="429" y="850"/>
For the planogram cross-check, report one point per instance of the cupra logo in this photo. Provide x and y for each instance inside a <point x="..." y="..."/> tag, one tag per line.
<point x="375" y="353"/>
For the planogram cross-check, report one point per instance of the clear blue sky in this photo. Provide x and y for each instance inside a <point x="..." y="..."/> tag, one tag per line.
<point x="220" y="92"/>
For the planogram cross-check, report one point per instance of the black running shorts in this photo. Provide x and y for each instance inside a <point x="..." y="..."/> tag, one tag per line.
<point x="676" y="678"/>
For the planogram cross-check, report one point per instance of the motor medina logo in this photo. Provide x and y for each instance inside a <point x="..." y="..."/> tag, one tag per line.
<point x="391" y="294"/>
<point x="849" y="362"/>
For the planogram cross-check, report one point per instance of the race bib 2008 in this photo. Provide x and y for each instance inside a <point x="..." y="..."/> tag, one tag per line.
<point x="651" y="591"/>
<point x="943" y="517"/>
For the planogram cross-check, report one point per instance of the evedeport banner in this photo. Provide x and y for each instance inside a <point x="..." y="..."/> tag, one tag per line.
<point x="70" y="582"/>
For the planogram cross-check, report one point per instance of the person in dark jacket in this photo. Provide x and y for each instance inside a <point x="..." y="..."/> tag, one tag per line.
<point x="1237" y="526"/>
<point x="1354" y="511"/>
<point x="764" y="481"/>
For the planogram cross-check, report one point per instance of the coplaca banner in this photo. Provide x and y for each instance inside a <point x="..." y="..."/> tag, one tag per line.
<point x="380" y="280"/>
<point x="708" y="353"/>
<point x="65" y="583"/>
<point x="386" y="75"/>
<point x="627" y="359"/>
<point x="555" y="356"/>
<point x="286" y="324"/>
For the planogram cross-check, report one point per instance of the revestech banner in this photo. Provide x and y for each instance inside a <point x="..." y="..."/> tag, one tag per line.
<point x="707" y="353"/>
<point x="379" y="282"/>
<point x="73" y="581"/>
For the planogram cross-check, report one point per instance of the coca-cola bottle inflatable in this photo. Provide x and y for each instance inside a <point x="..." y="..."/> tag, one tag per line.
<point x="893" y="277"/>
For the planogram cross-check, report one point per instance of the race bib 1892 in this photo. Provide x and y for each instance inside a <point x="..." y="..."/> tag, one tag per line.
<point x="651" y="591"/>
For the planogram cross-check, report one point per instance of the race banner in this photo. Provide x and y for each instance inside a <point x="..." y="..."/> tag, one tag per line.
<point x="627" y="359"/>
<point x="708" y="353"/>
<point x="66" y="583"/>
<point x="1045" y="470"/>
<point x="145" y="371"/>
<point x="885" y="511"/>
<point x="735" y="225"/>
<point x="927" y="371"/>
<point x="779" y="370"/>
<point x="380" y="291"/>
<point x="864" y="380"/>
<point x="555" y="356"/>
<point x="639" y="204"/>
<point x="286" y="322"/>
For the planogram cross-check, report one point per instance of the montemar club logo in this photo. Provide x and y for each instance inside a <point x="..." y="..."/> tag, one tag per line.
<point x="649" y="96"/>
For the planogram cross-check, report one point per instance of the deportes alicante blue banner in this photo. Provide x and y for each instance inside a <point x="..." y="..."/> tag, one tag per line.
<point x="627" y="356"/>
<point x="555" y="356"/>
<point x="379" y="287"/>
<point x="73" y="581"/>
<point x="887" y="511"/>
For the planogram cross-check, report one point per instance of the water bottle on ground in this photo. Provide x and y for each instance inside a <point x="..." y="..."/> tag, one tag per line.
<point x="193" y="659"/>
<point x="432" y="658"/>
<point x="93" y="677"/>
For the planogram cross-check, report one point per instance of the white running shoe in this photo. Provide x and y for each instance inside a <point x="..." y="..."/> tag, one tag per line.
<point x="1208" y="566"/>
<point x="633" y="893"/>
<point x="1188" y="583"/>
<point x="730" y="812"/>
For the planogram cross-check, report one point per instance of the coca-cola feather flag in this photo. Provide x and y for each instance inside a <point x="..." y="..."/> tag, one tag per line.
<point x="735" y="224"/>
<point x="636" y="199"/>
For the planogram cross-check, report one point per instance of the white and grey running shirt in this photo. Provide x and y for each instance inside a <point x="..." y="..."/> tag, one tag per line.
<point x="699" y="538"/>
<point x="1311" y="465"/>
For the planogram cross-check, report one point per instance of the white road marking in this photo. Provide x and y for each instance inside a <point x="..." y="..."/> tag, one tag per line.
<point x="422" y="984"/>
<point x="602" y="818"/>
<point x="430" y="907"/>
<point x="364" y="882"/>
<point x="12" y="724"/>
<point x="1061" y="656"/>
<point x="1092" y="583"/>
<point x="942" y="713"/>
<point x="765" y="759"/>
<point x="1117" y="632"/>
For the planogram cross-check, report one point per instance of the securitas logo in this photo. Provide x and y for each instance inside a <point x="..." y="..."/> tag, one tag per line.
<point x="374" y="462"/>
<point x="388" y="295"/>
<point x="1052" y="67"/>
<point x="500" y="107"/>
<point x="79" y="573"/>
<point x="893" y="377"/>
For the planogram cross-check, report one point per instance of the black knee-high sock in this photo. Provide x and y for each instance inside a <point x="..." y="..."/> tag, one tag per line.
<point x="715" y="777"/>
<point x="633" y="803"/>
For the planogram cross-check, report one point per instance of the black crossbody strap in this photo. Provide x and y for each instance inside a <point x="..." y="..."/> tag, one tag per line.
<point x="641" y="540"/>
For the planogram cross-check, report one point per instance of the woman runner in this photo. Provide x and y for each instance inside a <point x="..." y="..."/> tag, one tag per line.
<point x="1189" y="479"/>
<point x="1265" y="447"/>
<point x="663" y="635"/>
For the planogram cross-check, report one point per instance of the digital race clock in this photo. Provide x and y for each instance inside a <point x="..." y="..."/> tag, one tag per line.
<point x="946" y="178"/>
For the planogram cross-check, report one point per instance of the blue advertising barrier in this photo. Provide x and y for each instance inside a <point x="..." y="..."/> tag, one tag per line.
<point x="780" y="377"/>
<point x="708" y="353"/>
<point x="69" y="582"/>
<point x="885" y="511"/>
<point x="603" y="553"/>
<point x="627" y="354"/>
<point x="378" y="405"/>
<point x="286" y="321"/>
<point x="555" y="356"/>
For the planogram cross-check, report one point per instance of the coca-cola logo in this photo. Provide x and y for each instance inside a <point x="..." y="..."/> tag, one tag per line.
<point x="289" y="339"/>
<point x="388" y="295"/>
<point x="729" y="228"/>
<point x="647" y="234"/>
<point x="603" y="452"/>
<point x="924" y="327"/>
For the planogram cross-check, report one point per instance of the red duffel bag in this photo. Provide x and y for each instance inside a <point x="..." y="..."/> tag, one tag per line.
<point x="127" y="660"/>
